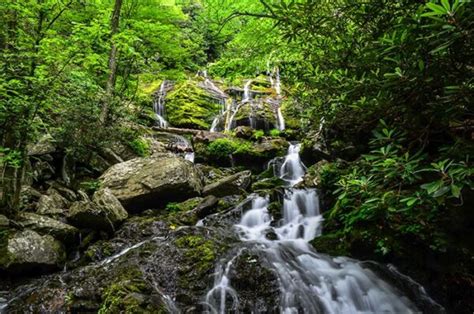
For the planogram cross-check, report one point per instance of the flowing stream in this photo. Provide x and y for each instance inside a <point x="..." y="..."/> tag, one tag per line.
<point x="309" y="282"/>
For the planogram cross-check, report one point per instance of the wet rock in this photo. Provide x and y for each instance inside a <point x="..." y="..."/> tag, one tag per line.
<point x="143" y="183"/>
<point x="244" y="132"/>
<point x="29" y="197"/>
<point x="45" y="225"/>
<point x="256" y="285"/>
<point x="27" y="251"/>
<point x="105" y="212"/>
<point x="230" y="185"/>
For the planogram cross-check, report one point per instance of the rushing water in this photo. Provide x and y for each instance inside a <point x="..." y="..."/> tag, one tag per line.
<point x="159" y="105"/>
<point x="309" y="282"/>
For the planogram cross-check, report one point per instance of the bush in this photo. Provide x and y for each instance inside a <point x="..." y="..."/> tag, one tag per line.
<point x="140" y="146"/>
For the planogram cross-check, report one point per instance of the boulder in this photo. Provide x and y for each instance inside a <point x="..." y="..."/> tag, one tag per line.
<point x="230" y="185"/>
<point x="244" y="132"/>
<point x="48" y="226"/>
<point x="52" y="204"/>
<point x="4" y="221"/>
<point x="43" y="146"/>
<point x="27" y="251"/>
<point x="105" y="212"/>
<point x="143" y="183"/>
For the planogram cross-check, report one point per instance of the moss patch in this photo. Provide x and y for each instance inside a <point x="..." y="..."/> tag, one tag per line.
<point x="189" y="106"/>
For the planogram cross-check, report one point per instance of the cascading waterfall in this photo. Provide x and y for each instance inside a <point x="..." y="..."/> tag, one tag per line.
<point x="159" y="106"/>
<point x="309" y="282"/>
<point x="276" y="85"/>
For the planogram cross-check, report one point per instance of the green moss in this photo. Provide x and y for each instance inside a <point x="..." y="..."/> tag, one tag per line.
<point x="183" y="206"/>
<point x="129" y="294"/>
<point x="332" y="244"/>
<point x="190" y="106"/>
<point x="140" y="146"/>
<point x="198" y="251"/>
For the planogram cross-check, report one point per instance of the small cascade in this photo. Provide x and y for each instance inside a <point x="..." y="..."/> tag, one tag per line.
<point x="309" y="282"/>
<point x="159" y="105"/>
<point x="292" y="170"/>
<point x="189" y="156"/>
<point x="247" y="94"/>
<point x="280" y="119"/>
<point x="275" y="81"/>
<point x="178" y="144"/>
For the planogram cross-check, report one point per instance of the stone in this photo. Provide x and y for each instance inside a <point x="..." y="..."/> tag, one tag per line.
<point x="43" y="146"/>
<point x="45" y="225"/>
<point x="144" y="183"/>
<point x="26" y="250"/>
<point x="105" y="212"/>
<point x="4" y="221"/>
<point x="244" y="132"/>
<point x="230" y="185"/>
<point x="52" y="204"/>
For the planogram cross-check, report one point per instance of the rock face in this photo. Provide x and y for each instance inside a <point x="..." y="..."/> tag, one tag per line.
<point x="48" y="226"/>
<point x="52" y="204"/>
<point x="105" y="212"/>
<point x="143" y="183"/>
<point x="27" y="250"/>
<point x="234" y="184"/>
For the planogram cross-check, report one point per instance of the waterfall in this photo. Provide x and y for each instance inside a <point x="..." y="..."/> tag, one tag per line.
<point x="309" y="282"/>
<point x="247" y="94"/>
<point x="159" y="106"/>
<point x="292" y="170"/>
<point x="276" y="85"/>
<point x="280" y="119"/>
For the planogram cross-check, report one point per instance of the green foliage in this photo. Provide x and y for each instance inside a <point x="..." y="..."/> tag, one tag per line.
<point x="275" y="133"/>
<point x="222" y="147"/>
<point x="258" y="134"/>
<point x="140" y="146"/>
<point x="388" y="191"/>
<point x="90" y="186"/>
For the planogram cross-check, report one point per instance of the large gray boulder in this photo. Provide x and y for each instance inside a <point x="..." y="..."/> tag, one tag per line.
<point x="46" y="225"/>
<point x="52" y="204"/>
<point x="143" y="183"/>
<point x="27" y="250"/>
<point x="105" y="212"/>
<point x="230" y="185"/>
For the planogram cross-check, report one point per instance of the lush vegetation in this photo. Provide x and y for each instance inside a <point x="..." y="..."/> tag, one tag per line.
<point x="385" y="88"/>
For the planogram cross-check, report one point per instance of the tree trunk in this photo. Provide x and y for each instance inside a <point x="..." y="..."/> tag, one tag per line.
<point x="110" y="88"/>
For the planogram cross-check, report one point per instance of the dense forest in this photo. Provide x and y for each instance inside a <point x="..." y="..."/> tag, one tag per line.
<point x="224" y="156"/>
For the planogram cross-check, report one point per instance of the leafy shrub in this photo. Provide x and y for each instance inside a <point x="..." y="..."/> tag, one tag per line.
<point x="389" y="191"/>
<point x="258" y="134"/>
<point x="90" y="186"/>
<point x="275" y="132"/>
<point x="140" y="146"/>
<point x="222" y="147"/>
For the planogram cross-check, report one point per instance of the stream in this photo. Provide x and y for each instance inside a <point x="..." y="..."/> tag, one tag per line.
<point x="309" y="282"/>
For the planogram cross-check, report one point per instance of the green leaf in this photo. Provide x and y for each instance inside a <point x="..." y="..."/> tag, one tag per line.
<point x="455" y="190"/>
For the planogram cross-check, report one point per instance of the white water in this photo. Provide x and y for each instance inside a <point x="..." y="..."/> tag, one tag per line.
<point x="292" y="169"/>
<point x="281" y="119"/>
<point x="159" y="106"/>
<point x="309" y="282"/>
<point x="189" y="156"/>
<point x="247" y="94"/>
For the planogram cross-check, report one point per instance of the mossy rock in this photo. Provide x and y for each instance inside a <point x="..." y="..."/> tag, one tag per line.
<point x="262" y="113"/>
<point x="332" y="244"/>
<point x="190" y="106"/>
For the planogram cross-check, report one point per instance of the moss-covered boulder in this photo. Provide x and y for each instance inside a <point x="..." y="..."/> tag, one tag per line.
<point x="259" y="115"/>
<point x="27" y="251"/>
<point x="189" y="105"/>
<point x="144" y="183"/>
